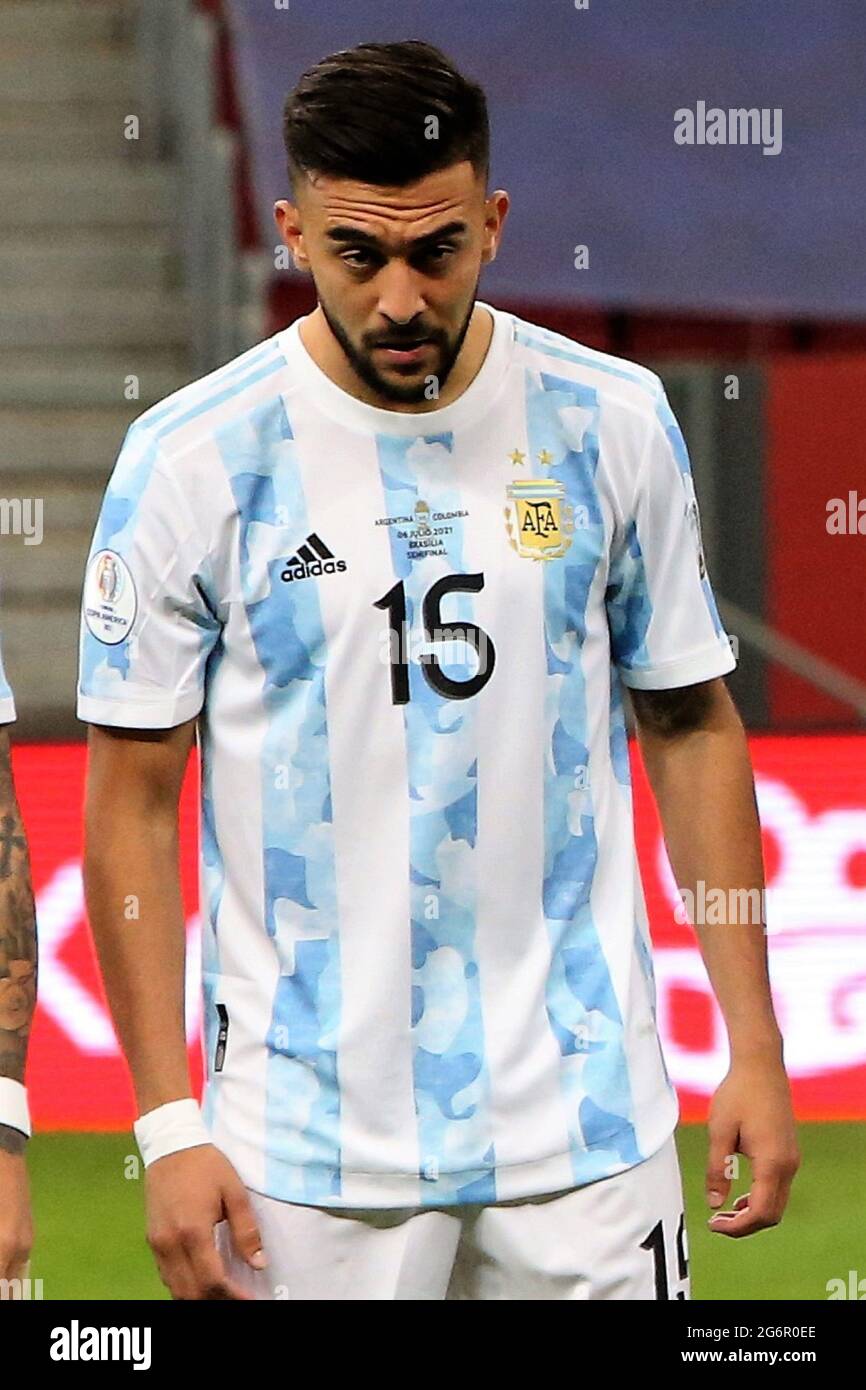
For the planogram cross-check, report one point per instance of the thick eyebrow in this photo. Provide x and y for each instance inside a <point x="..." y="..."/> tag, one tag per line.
<point x="355" y="237"/>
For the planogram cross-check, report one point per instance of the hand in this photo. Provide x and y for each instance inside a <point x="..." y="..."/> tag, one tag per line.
<point x="751" y="1114"/>
<point x="187" y="1194"/>
<point x="16" y="1225"/>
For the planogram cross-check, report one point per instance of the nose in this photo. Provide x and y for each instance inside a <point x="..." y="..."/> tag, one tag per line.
<point x="400" y="297"/>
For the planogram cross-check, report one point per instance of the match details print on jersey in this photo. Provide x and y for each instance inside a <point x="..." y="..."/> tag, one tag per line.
<point x="426" y="958"/>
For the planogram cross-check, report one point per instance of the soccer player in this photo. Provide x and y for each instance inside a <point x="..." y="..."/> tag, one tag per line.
<point x="395" y="564"/>
<point x="17" y="1002"/>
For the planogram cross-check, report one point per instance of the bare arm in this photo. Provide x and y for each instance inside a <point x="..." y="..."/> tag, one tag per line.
<point x="697" y="760"/>
<point x="696" y="756"/>
<point x="132" y="884"/>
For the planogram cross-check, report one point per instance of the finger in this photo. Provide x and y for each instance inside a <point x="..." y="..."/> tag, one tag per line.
<point x="757" y="1210"/>
<point x="211" y="1279"/>
<point x="723" y="1143"/>
<point x="781" y="1175"/>
<point x="736" y="1224"/>
<point x="245" y="1234"/>
<point x="175" y="1270"/>
<point x="14" y="1259"/>
<point x="771" y="1180"/>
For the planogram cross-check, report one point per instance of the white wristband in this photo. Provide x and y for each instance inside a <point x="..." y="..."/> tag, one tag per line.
<point x="170" y="1128"/>
<point x="13" y="1106"/>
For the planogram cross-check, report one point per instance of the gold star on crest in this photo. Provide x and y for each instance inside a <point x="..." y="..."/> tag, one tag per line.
<point x="545" y="458"/>
<point x="517" y="457"/>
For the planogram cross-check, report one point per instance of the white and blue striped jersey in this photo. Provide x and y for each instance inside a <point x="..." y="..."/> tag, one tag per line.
<point x="427" y="972"/>
<point x="7" y="701"/>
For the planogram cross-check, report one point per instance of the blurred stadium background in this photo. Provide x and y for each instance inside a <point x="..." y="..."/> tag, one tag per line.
<point x="140" y="154"/>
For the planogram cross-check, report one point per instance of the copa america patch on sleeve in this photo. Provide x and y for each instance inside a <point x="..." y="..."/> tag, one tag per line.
<point x="110" y="600"/>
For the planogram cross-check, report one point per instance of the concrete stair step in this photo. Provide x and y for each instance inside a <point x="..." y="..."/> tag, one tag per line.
<point x="56" y="377"/>
<point x="49" y="134"/>
<point x="36" y="445"/>
<point x="66" y="23"/>
<point x="66" y="503"/>
<point x="86" y="194"/>
<point x="56" y="566"/>
<point x="88" y="260"/>
<point x="52" y="133"/>
<point x="38" y="76"/>
<point x="72" y="317"/>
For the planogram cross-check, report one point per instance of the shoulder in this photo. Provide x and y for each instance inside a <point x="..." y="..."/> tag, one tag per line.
<point x="622" y="401"/>
<point x="186" y="430"/>
<point x="616" y="382"/>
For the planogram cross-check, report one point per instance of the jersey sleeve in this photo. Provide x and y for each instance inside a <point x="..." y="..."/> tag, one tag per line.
<point x="148" y="616"/>
<point x="664" y="625"/>
<point x="7" y="703"/>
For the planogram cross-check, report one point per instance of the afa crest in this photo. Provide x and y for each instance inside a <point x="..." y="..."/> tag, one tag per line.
<point x="538" y="519"/>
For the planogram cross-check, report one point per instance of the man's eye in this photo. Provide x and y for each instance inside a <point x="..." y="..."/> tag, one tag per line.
<point x="439" y="253"/>
<point x="359" y="259"/>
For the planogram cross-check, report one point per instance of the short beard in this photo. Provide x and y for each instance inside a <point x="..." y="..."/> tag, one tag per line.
<point x="362" y="362"/>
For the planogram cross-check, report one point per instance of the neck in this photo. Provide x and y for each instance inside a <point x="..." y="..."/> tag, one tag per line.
<point x="329" y="356"/>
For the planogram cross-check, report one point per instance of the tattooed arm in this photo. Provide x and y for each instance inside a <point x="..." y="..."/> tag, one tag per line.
<point x="17" y="940"/>
<point x="17" y="1002"/>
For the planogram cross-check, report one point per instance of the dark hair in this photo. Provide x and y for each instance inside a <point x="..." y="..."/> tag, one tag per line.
<point x="363" y="114"/>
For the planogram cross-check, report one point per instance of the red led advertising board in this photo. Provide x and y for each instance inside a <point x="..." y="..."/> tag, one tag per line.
<point x="812" y="797"/>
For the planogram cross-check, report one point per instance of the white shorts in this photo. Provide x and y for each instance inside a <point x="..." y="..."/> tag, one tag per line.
<point x="621" y="1237"/>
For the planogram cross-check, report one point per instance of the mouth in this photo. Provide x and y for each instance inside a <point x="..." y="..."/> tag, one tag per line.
<point x="404" y="353"/>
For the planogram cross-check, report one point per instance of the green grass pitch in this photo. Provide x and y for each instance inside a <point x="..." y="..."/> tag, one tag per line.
<point x="88" y="1206"/>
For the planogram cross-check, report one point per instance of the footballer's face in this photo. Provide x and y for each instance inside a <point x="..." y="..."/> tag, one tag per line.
<point x="396" y="271"/>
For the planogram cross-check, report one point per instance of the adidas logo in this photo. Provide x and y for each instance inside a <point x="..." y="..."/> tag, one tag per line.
<point x="311" y="559"/>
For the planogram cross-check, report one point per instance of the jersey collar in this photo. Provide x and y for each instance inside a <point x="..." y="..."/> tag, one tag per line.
<point x="333" y="401"/>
